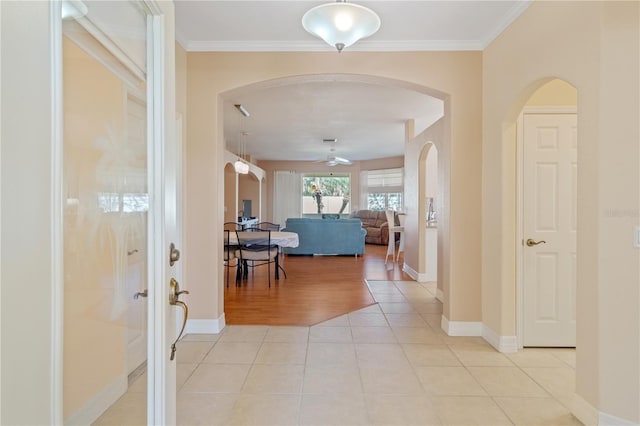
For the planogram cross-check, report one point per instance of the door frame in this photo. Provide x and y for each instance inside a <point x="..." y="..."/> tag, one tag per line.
<point x="519" y="242"/>
<point x="160" y="409"/>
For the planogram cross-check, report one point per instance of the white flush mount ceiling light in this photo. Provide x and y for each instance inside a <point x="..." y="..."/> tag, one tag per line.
<point x="341" y="24"/>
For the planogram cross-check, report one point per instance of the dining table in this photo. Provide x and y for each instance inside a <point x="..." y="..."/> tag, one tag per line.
<point x="278" y="238"/>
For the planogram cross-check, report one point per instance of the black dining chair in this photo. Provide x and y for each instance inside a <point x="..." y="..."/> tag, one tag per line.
<point x="268" y="226"/>
<point x="231" y="251"/>
<point x="255" y="249"/>
<point x="275" y="227"/>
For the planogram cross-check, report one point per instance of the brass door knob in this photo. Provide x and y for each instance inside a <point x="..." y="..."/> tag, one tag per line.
<point x="531" y="243"/>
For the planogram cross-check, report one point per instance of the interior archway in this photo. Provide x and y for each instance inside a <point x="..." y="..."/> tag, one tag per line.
<point x="414" y="201"/>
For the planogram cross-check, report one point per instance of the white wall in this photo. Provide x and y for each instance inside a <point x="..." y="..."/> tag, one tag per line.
<point x="26" y="243"/>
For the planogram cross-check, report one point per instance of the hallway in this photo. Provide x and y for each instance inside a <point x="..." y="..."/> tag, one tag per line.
<point x="386" y="364"/>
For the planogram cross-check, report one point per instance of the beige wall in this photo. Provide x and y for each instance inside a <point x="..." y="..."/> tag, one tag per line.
<point x="453" y="76"/>
<point x="230" y="194"/>
<point x="594" y="46"/>
<point x="249" y="189"/>
<point x="554" y="93"/>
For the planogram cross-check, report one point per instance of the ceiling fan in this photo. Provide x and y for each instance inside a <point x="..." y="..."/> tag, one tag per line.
<point x="333" y="160"/>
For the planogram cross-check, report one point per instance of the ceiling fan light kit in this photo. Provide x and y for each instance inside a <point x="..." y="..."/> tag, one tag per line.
<point x="334" y="161"/>
<point x="341" y="24"/>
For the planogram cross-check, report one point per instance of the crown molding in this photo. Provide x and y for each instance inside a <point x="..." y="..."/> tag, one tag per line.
<point x="508" y="19"/>
<point x="181" y="40"/>
<point x="319" y="46"/>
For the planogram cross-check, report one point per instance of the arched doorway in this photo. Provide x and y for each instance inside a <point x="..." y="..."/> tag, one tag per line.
<point x="428" y="195"/>
<point x="458" y="135"/>
<point x="414" y="199"/>
<point x="547" y="145"/>
<point x="243" y="193"/>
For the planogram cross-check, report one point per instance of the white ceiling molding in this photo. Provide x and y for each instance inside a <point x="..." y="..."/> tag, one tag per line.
<point x="511" y="16"/>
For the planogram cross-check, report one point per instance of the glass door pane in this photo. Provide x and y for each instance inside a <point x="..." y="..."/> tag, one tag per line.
<point x="105" y="216"/>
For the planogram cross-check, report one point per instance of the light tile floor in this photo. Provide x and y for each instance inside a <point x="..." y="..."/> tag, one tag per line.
<point x="387" y="364"/>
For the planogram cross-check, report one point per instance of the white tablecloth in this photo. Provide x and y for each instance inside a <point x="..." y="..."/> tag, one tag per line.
<point x="280" y="238"/>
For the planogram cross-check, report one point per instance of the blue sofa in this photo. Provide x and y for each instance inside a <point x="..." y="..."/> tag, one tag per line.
<point x="326" y="236"/>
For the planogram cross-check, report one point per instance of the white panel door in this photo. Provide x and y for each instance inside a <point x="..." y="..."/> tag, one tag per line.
<point x="549" y="229"/>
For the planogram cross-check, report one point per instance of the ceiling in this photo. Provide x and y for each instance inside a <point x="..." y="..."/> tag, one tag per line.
<point x="289" y="121"/>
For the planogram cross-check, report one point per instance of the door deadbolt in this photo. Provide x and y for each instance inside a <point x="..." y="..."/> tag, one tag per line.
<point x="174" y="254"/>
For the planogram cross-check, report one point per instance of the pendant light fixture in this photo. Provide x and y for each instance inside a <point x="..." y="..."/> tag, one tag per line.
<point x="341" y="24"/>
<point x="240" y="165"/>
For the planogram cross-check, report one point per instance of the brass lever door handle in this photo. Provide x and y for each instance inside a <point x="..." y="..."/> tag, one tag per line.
<point x="531" y="243"/>
<point x="143" y="293"/>
<point x="174" y="294"/>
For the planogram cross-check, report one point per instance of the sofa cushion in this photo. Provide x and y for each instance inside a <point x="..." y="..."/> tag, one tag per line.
<point x="375" y="222"/>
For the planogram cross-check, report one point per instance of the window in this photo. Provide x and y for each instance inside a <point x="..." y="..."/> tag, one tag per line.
<point x="384" y="189"/>
<point x="326" y="193"/>
<point x="110" y="202"/>
<point x="384" y="201"/>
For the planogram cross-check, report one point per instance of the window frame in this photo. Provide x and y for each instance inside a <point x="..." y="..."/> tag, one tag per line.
<point x="329" y="204"/>
<point x="389" y="188"/>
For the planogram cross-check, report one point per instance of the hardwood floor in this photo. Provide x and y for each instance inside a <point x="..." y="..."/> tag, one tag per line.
<point x="317" y="288"/>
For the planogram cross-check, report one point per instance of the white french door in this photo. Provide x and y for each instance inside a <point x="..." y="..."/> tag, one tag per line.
<point x="549" y="229"/>
<point x="119" y="219"/>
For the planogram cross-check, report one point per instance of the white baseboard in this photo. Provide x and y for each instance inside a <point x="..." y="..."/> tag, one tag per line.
<point x="199" y="326"/>
<point x="411" y="272"/>
<point x="94" y="408"/>
<point x="590" y="416"/>
<point x="605" y="419"/>
<point x="584" y="411"/>
<point x="461" y="328"/>
<point x="420" y="277"/>
<point x="439" y="295"/>
<point x="504" y="344"/>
